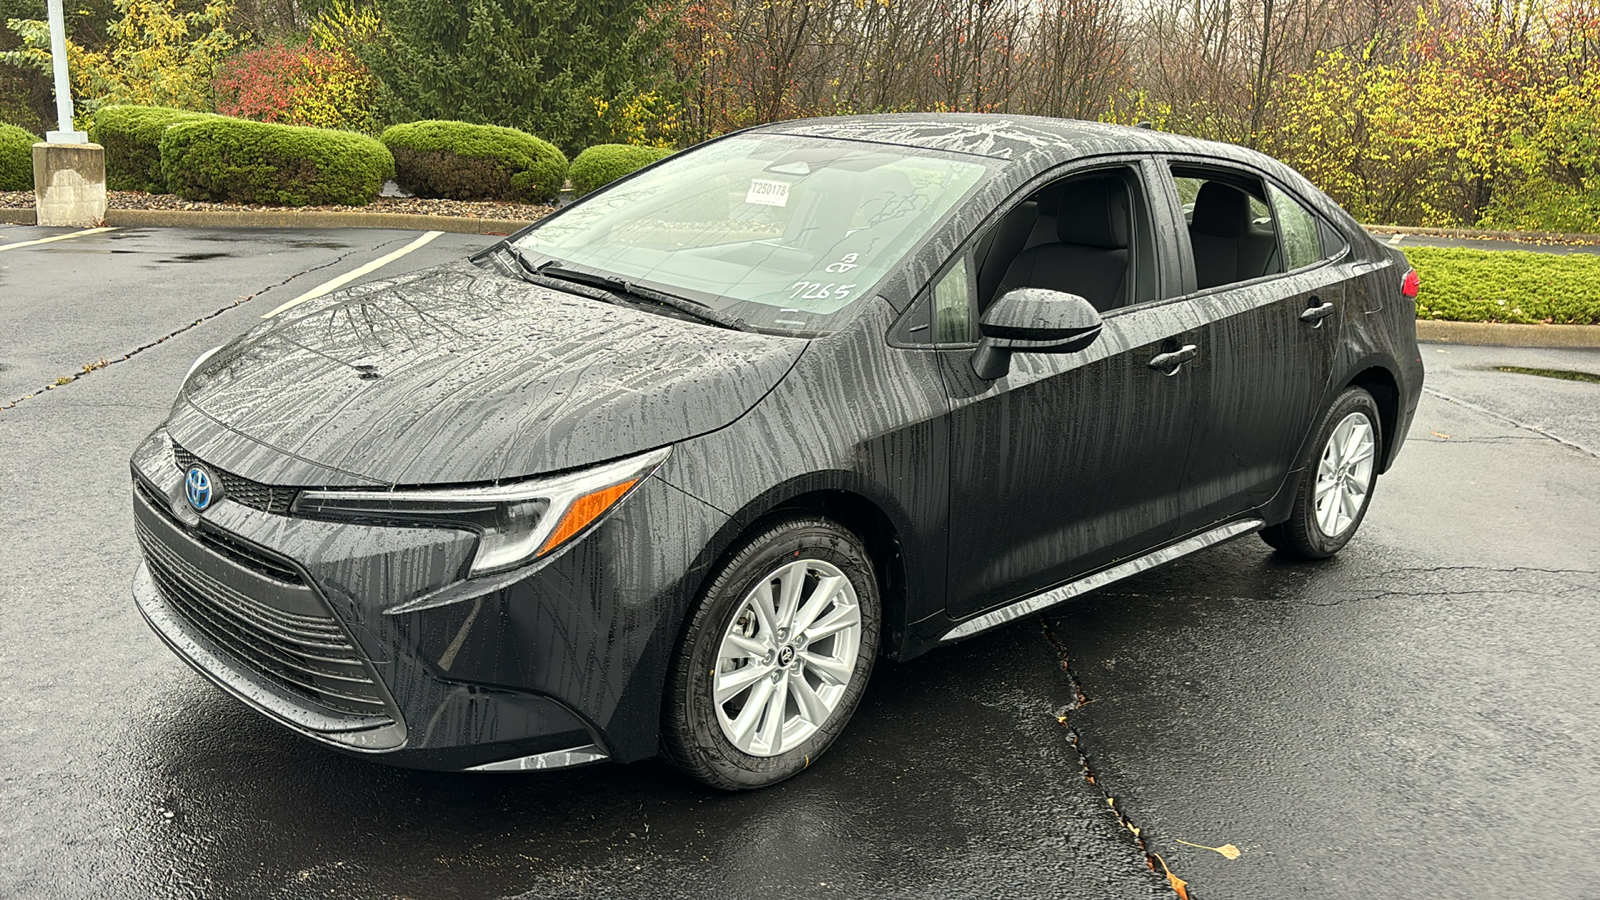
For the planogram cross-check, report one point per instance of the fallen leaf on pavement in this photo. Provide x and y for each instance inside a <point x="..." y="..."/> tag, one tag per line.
<point x="1228" y="850"/>
<point x="1179" y="886"/>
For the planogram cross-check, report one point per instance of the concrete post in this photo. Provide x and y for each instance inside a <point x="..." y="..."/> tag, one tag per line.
<point x="69" y="184"/>
<point x="69" y="173"/>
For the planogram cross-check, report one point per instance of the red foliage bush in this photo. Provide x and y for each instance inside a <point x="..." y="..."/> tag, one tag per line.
<point x="297" y="86"/>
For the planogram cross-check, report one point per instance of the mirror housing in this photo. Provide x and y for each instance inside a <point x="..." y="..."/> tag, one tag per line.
<point x="1032" y="320"/>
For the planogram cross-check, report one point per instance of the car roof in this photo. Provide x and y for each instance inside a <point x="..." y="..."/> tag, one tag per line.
<point x="1000" y="136"/>
<point x="1038" y="143"/>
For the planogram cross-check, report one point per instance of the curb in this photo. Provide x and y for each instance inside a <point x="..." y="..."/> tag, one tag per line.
<point x="1521" y="237"/>
<point x="1494" y="334"/>
<point x="270" y="218"/>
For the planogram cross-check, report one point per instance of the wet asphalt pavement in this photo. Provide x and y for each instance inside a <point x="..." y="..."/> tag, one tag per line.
<point x="1416" y="717"/>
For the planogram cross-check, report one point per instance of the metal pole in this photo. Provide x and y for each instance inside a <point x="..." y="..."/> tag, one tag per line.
<point x="58" y="57"/>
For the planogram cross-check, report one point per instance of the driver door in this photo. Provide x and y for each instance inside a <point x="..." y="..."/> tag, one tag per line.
<point x="1069" y="462"/>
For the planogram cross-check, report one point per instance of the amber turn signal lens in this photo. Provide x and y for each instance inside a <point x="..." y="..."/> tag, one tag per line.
<point x="584" y="510"/>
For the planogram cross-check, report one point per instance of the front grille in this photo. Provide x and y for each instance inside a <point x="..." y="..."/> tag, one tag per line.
<point x="308" y="656"/>
<point x="254" y="494"/>
<point x="240" y="552"/>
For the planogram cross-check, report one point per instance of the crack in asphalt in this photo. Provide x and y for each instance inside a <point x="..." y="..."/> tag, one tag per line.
<point x="1509" y="570"/>
<point x="1383" y="595"/>
<point x="1507" y="439"/>
<point x="1065" y="718"/>
<point x="103" y="363"/>
<point x="1464" y="592"/>
<point x="1507" y="419"/>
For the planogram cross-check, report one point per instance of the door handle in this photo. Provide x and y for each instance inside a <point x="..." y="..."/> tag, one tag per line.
<point x="1315" y="314"/>
<point x="1169" y="363"/>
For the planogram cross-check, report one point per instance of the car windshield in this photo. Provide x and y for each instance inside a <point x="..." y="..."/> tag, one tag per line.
<point x="786" y="233"/>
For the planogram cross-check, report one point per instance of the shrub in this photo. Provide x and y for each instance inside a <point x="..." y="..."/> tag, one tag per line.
<point x="474" y="162"/>
<point x="298" y="86"/>
<point x="537" y="65"/>
<point x="286" y="165"/>
<point x="1507" y="286"/>
<point x="602" y="164"/>
<point x="132" y="138"/>
<point x="16" y="159"/>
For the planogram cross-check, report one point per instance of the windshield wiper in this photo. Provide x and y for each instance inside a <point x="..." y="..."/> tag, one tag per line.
<point x="611" y="290"/>
<point x="629" y="289"/>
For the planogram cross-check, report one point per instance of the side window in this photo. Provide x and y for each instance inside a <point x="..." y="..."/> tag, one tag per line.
<point x="1302" y="243"/>
<point x="952" y="306"/>
<point x="1088" y="233"/>
<point x="1230" y="225"/>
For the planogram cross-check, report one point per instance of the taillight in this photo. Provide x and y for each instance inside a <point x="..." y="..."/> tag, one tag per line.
<point x="1410" y="287"/>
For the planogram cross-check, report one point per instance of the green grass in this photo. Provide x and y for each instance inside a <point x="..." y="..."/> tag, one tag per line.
<point x="1563" y="374"/>
<point x="1507" y="286"/>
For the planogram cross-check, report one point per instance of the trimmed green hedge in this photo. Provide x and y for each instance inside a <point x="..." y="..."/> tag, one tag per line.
<point x="1507" y="286"/>
<point x="132" y="138"/>
<point x="283" y="165"/>
<point x="461" y="161"/>
<point x="16" y="158"/>
<point x="602" y="164"/>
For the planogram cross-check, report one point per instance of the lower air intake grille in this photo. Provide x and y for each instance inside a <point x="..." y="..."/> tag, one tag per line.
<point x="254" y="494"/>
<point x="307" y="656"/>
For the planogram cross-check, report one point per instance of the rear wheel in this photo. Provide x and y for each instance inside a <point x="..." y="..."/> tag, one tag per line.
<point x="1341" y="468"/>
<point x="774" y="659"/>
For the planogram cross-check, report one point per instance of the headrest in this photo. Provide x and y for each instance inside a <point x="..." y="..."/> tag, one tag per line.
<point x="1220" y="211"/>
<point x="1094" y="213"/>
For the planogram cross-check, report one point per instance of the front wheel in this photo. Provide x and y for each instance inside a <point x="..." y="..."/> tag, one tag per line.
<point x="1341" y="467"/>
<point x="774" y="659"/>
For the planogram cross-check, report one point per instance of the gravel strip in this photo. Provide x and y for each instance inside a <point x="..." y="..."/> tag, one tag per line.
<point x="468" y="209"/>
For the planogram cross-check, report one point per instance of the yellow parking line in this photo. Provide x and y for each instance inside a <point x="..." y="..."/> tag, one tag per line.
<point x="346" y="278"/>
<point x="59" y="237"/>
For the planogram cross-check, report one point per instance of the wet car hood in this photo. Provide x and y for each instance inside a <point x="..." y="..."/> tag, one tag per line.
<point x="461" y="375"/>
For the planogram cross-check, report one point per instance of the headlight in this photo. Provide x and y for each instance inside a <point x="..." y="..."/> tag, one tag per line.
<point x="517" y="523"/>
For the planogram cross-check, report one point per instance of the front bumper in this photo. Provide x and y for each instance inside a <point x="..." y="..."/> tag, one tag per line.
<point x="561" y="665"/>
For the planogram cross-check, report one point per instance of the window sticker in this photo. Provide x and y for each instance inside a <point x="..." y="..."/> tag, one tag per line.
<point x="768" y="193"/>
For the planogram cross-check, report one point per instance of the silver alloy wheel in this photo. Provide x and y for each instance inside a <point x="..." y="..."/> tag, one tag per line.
<point x="787" y="657"/>
<point x="1345" y="474"/>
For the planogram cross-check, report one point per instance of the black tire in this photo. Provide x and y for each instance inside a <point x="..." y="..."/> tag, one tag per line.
<point x="1301" y="535"/>
<point x="693" y="737"/>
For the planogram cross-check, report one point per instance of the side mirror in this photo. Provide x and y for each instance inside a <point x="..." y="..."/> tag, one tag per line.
<point x="1032" y="320"/>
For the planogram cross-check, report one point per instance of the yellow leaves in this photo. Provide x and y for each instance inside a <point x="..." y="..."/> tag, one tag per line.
<point x="1179" y="886"/>
<point x="343" y="26"/>
<point x="1228" y="851"/>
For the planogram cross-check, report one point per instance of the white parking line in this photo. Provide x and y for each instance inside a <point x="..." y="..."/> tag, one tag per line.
<point x="350" y="276"/>
<point x="59" y="237"/>
<point x="1395" y="241"/>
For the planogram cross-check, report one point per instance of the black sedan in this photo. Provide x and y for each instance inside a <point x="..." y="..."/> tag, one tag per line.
<point x="669" y="470"/>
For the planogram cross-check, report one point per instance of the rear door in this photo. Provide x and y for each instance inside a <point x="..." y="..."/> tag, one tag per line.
<point x="1271" y="335"/>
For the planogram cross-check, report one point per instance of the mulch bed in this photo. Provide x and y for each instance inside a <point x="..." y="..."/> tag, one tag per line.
<point x="468" y="209"/>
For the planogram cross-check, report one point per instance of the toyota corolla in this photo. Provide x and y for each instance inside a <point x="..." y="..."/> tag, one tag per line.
<point x="669" y="470"/>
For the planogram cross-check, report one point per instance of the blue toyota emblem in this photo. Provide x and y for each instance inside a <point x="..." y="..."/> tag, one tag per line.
<point x="198" y="488"/>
